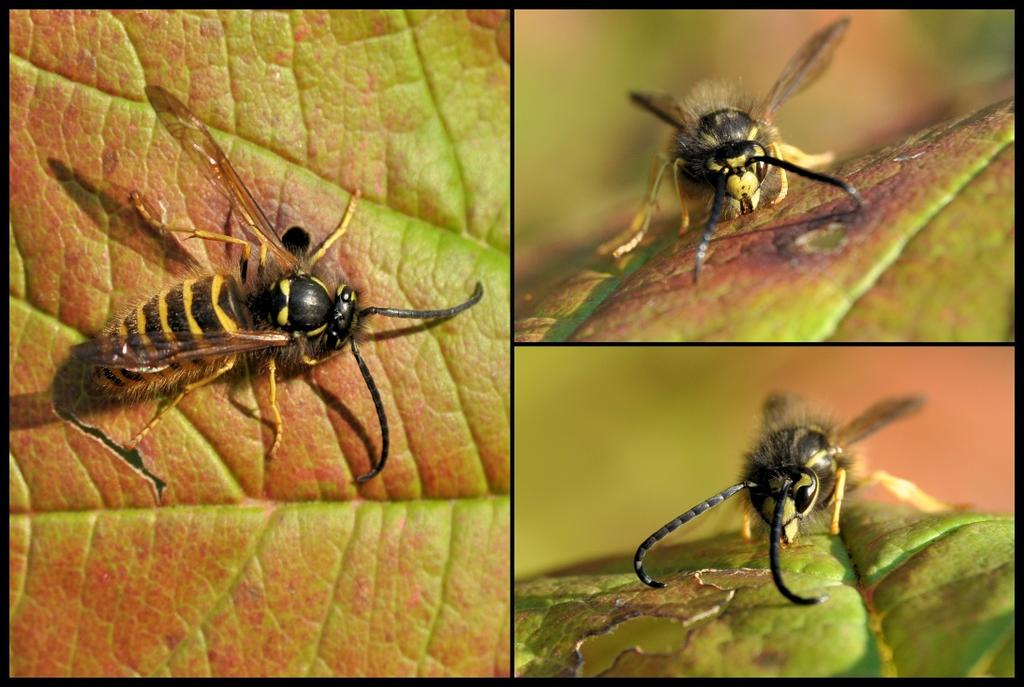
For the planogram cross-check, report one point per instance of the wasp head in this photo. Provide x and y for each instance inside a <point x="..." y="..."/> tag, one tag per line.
<point x="743" y="176"/>
<point x="343" y="317"/>
<point x="798" y="488"/>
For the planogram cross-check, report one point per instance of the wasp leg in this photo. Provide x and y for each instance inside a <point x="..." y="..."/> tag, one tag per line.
<point x="906" y="490"/>
<point x="251" y="410"/>
<point x="789" y="153"/>
<point x="684" y="220"/>
<point x="342" y="227"/>
<point x="626" y="242"/>
<point x="774" y="151"/>
<point x="147" y="213"/>
<point x="278" y="424"/>
<point x="189" y="388"/>
<point x="798" y="157"/>
<point x="745" y="527"/>
<point x="837" y="499"/>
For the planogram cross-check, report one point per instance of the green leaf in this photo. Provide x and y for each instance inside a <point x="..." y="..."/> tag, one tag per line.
<point x="909" y="594"/>
<point x="254" y="566"/>
<point x="929" y="258"/>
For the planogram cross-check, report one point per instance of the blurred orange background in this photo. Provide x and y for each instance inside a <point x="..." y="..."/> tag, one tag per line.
<point x="612" y="442"/>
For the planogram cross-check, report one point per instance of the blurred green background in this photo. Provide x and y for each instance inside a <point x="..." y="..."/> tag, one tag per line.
<point x="582" y="151"/>
<point x="612" y="442"/>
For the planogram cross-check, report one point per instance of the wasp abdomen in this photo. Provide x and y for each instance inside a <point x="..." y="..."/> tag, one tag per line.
<point x="187" y="311"/>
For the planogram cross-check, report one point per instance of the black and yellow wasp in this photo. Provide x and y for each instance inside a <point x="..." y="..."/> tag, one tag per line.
<point x="724" y="142"/>
<point x="800" y="467"/>
<point x="286" y="314"/>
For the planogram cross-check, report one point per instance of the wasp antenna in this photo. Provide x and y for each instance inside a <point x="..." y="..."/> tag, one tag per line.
<point x="716" y="212"/>
<point x="824" y="178"/>
<point x="773" y="550"/>
<point x="638" y="559"/>
<point x="478" y="293"/>
<point x="375" y="394"/>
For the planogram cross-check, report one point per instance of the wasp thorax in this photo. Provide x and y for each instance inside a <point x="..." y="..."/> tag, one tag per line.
<point x="300" y="303"/>
<point x="726" y="125"/>
<point x="809" y="446"/>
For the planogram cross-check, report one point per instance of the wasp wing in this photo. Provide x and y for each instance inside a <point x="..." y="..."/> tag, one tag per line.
<point x="781" y="407"/>
<point x="664" y="106"/>
<point x="878" y="416"/>
<point x="194" y="137"/>
<point x="804" y="68"/>
<point x="156" y="351"/>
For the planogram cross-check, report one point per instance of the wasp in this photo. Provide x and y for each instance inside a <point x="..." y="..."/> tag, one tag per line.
<point x="724" y="144"/>
<point x="286" y="314"/>
<point x="799" y="467"/>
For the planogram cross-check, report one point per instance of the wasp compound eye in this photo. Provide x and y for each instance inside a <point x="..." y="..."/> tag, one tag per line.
<point x="805" y="491"/>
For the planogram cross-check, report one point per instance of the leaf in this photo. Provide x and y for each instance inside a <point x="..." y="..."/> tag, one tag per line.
<point x="256" y="567"/>
<point x="909" y="594"/>
<point x="930" y="258"/>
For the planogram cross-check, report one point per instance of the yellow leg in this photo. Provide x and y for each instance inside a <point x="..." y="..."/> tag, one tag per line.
<point x="638" y="227"/>
<point x="837" y="500"/>
<point x="342" y="227"/>
<point x="184" y="392"/>
<point x="907" y="491"/>
<point x="278" y="424"/>
<point x="147" y="213"/>
<point x="684" y="220"/>
<point x="774" y="151"/>
<point x="799" y="157"/>
<point x="745" y="527"/>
